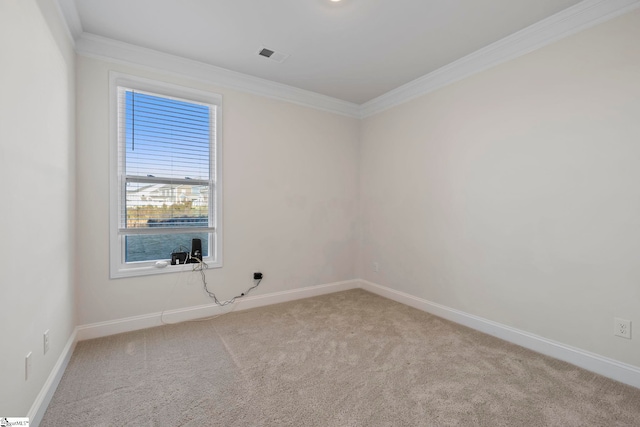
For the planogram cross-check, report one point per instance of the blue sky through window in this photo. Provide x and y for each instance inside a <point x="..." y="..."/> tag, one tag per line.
<point x="166" y="137"/>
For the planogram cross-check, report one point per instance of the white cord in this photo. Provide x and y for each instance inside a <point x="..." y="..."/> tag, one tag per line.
<point x="201" y="267"/>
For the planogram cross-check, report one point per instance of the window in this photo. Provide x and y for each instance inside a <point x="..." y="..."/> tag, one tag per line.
<point x="165" y="175"/>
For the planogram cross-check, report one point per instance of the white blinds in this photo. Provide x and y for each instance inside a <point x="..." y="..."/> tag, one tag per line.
<point x="165" y="164"/>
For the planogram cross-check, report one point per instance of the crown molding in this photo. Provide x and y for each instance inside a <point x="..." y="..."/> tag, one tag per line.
<point x="583" y="15"/>
<point x="94" y="46"/>
<point x="69" y="11"/>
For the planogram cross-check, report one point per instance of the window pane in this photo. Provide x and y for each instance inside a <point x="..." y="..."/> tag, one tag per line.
<point x="166" y="205"/>
<point x="167" y="138"/>
<point x="160" y="246"/>
<point x="165" y="174"/>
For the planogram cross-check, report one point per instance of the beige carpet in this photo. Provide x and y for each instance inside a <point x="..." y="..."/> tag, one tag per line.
<point x="345" y="359"/>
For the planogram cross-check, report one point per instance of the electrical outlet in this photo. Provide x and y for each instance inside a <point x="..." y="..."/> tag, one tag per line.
<point x="46" y="341"/>
<point x="376" y="267"/>
<point x="622" y="328"/>
<point x="27" y="366"/>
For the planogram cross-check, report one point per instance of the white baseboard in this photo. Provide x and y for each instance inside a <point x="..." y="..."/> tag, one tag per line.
<point x="604" y="366"/>
<point x="610" y="368"/>
<point x="112" y="327"/>
<point x="41" y="403"/>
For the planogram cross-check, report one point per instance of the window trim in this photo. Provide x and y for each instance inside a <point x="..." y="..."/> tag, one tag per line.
<point x="117" y="267"/>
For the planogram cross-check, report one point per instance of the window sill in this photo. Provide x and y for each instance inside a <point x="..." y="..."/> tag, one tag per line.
<point x="152" y="268"/>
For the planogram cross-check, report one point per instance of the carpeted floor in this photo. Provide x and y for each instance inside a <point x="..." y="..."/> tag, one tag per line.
<point x="345" y="359"/>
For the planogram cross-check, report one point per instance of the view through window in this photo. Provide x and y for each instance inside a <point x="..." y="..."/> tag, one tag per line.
<point x="167" y="162"/>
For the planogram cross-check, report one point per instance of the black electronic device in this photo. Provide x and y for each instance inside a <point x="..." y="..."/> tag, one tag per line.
<point x="196" y="251"/>
<point x="179" y="258"/>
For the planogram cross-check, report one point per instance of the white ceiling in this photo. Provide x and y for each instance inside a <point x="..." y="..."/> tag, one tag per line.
<point x="354" y="50"/>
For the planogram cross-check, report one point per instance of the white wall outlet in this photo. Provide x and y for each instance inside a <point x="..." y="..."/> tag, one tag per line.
<point x="46" y="341"/>
<point x="376" y="267"/>
<point x="622" y="328"/>
<point x="27" y="366"/>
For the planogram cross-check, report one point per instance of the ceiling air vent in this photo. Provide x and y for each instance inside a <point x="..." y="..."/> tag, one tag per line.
<point x="271" y="54"/>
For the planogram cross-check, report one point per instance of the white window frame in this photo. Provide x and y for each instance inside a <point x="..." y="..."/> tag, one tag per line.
<point x="118" y="267"/>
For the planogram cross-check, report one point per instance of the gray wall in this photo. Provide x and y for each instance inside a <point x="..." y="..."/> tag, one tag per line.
<point x="37" y="169"/>
<point x="289" y="201"/>
<point x="514" y="194"/>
